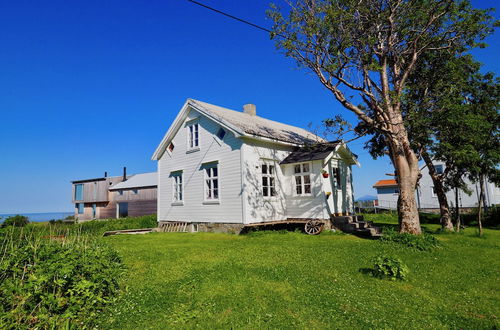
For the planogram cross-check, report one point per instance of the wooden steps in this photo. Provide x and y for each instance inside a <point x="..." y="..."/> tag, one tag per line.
<point x="174" y="227"/>
<point x="355" y="224"/>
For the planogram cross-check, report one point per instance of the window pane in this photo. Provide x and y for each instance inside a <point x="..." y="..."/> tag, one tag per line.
<point x="264" y="181"/>
<point x="273" y="192"/>
<point x="298" y="189"/>
<point x="271" y="181"/>
<point x="79" y="192"/>
<point x="214" y="171"/>
<point x="271" y="169"/>
<point x="307" y="189"/>
<point x="216" y="193"/>
<point x="221" y="133"/>
<point x="298" y="180"/>
<point x="264" y="168"/>
<point x="264" y="191"/>
<point x="297" y="169"/>
<point x="305" y="167"/>
<point x="307" y="179"/>
<point x="215" y="184"/>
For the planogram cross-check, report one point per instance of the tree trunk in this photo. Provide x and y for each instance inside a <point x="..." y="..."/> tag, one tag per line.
<point x="457" y="211"/>
<point x="437" y="179"/>
<point x="481" y="199"/>
<point x="406" y="165"/>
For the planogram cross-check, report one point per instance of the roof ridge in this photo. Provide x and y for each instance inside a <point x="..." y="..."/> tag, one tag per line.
<point x="306" y="134"/>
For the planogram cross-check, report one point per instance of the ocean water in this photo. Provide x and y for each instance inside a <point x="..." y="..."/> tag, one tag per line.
<point x="39" y="217"/>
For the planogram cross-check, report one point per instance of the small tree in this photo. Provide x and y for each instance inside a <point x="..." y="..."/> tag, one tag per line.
<point x="483" y="136"/>
<point x="369" y="49"/>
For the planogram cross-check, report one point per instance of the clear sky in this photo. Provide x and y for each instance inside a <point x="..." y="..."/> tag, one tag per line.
<point x="92" y="86"/>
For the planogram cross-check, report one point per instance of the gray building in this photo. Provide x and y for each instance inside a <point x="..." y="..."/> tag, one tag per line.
<point x="115" y="197"/>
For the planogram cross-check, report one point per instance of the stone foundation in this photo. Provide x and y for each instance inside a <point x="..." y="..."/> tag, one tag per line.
<point x="215" y="227"/>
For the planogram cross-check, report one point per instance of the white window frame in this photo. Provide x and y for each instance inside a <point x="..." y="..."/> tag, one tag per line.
<point x="177" y="188"/>
<point x="302" y="174"/>
<point x="208" y="183"/>
<point x="271" y="177"/>
<point x="433" y="192"/>
<point x="193" y="136"/>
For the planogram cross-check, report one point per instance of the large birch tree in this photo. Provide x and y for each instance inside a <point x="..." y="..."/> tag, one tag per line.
<point x="363" y="52"/>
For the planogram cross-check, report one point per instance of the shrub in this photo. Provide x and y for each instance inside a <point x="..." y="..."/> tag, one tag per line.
<point x="16" y="221"/>
<point x="423" y="242"/>
<point x="389" y="267"/>
<point x="49" y="281"/>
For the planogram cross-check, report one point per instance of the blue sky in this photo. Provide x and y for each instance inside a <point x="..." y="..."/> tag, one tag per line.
<point x="92" y="86"/>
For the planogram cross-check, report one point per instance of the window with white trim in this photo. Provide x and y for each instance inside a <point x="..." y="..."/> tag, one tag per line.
<point x="439" y="169"/>
<point x="193" y="136"/>
<point x="302" y="179"/>
<point x="212" y="182"/>
<point x="268" y="180"/>
<point x="177" y="189"/>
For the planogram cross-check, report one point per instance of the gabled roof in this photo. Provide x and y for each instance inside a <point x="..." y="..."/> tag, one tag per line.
<point x="258" y="126"/>
<point x="319" y="151"/>
<point x="386" y="183"/>
<point x="242" y="125"/>
<point x="138" y="181"/>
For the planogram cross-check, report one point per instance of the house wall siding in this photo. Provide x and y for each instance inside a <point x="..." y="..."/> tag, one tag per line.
<point x="258" y="208"/>
<point x="226" y="153"/>
<point x="427" y="200"/>
<point x="313" y="206"/>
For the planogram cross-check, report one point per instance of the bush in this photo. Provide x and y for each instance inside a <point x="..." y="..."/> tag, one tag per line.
<point x="423" y="242"/>
<point x="389" y="267"/>
<point x="16" y="221"/>
<point x="51" y="281"/>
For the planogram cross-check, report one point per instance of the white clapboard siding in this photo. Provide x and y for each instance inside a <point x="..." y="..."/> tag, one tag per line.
<point x="226" y="153"/>
<point x="313" y="206"/>
<point x="258" y="208"/>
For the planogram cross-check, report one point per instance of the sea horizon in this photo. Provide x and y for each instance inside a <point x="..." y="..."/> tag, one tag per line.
<point x="38" y="216"/>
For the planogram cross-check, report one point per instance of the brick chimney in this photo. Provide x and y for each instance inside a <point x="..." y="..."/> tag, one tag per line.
<point x="250" y="109"/>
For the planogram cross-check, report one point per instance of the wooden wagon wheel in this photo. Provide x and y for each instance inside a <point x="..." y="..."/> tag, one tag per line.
<point x="313" y="227"/>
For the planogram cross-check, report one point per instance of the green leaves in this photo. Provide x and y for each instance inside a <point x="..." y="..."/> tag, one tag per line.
<point x="43" y="281"/>
<point x="390" y="267"/>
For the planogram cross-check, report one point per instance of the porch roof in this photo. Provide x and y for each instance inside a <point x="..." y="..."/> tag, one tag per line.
<point x="310" y="153"/>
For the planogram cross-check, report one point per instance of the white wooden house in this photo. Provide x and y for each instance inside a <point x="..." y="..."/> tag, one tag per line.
<point x="388" y="193"/>
<point x="221" y="169"/>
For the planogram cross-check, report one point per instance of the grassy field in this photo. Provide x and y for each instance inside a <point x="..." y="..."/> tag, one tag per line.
<point x="291" y="280"/>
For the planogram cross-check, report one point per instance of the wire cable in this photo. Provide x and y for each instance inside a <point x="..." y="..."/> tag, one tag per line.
<point x="234" y="17"/>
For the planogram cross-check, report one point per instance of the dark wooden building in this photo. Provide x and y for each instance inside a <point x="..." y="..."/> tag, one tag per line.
<point x="115" y="197"/>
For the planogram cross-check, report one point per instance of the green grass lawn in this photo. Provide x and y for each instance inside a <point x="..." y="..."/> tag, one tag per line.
<point x="291" y="280"/>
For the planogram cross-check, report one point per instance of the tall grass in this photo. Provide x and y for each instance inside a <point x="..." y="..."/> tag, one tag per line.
<point x="53" y="276"/>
